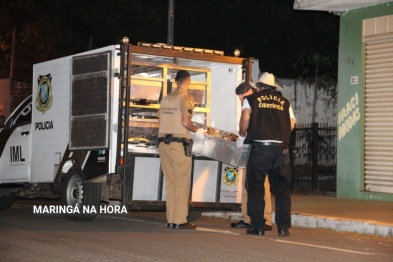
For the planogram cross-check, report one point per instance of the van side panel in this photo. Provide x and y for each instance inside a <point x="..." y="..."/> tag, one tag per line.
<point x="50" y="122"/>
<point x="51" y="115"/>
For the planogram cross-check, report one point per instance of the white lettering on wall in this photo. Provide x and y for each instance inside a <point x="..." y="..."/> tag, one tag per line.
<point x="348" y="116"/>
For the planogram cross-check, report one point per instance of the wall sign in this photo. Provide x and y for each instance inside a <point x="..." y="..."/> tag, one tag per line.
<point x="354" y="80"/>
<point x="348" y="116"/>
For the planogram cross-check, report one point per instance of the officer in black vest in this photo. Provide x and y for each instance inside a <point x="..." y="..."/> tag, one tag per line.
<point x="267" y="119"/>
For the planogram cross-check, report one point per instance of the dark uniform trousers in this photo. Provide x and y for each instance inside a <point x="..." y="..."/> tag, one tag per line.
<point x="176" y="167"/>
<point x="273" y="160"/>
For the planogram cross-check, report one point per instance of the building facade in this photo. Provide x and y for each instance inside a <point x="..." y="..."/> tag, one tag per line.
<point x="365" y="99"/>
<point x="365" y="104"/>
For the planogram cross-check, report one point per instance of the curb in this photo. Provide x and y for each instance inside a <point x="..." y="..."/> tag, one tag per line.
<point x="313" y="221"/>
<point x="345" y="225"/>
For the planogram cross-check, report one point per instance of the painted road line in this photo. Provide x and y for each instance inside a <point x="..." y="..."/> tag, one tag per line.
<point x="324" y="247"/>
<point x="216" y="231"/>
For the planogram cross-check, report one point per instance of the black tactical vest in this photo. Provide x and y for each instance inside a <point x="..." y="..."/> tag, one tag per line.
<point x="270" y="119"/>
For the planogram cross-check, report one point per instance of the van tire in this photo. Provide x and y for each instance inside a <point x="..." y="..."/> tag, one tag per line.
<point x="85" y="195"/>
<point x="6" y="201"/>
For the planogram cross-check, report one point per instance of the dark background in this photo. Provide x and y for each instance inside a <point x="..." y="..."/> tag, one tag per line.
<point x="287" y="42"/>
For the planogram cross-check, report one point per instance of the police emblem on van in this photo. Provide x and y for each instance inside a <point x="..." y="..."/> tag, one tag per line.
<point x="231" y="176"/>
<point x="44" y="93"/>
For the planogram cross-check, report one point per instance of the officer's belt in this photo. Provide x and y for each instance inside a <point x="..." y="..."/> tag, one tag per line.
<point x="172" y="139"/>
<point x="265" y="143"/>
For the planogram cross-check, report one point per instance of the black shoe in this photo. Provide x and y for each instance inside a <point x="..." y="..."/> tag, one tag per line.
<point x="283" y="233"/>
<point x="184" y="226"/>
<point x="241" y="224"/>
<point x="170" y="225"/>
<point x="268" y="228"/>
<point x="255" y="232"/>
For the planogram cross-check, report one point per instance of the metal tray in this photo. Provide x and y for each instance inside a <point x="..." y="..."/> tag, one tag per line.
<point x="218" y="146"/>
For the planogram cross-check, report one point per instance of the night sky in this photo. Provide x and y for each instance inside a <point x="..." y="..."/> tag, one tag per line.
<point x="270" y="31"/>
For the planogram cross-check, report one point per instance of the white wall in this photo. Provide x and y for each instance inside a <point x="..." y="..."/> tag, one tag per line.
<point x="301" y="97"/>
<point x="225" y="106"/>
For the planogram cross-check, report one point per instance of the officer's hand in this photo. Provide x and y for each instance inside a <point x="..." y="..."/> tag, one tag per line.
<point x="240" y="141"/>
<point x="199" y="134"/>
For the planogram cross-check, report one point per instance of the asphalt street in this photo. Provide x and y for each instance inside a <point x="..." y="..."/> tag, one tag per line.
<point x="143" y="236"/>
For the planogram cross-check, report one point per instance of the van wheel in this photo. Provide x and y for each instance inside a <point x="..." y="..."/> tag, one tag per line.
<point x="6" y="201"/>
<point x="84" y="197"/>
<point x="194" y="215"/>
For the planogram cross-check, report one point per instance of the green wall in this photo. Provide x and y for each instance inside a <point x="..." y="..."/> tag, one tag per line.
<point x="350" y="104"/>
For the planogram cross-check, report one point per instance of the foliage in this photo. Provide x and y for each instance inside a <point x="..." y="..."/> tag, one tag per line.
<point x="270" y="31"/>
<point x="51" y="29"/>
<point x="312" y="62"/>
<point x="324" y="82"/>
<point x="313" y="65"/>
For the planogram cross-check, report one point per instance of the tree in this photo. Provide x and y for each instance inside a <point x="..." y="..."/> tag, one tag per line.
<point x="314" y="62"/>
<point x="270" y="31"/>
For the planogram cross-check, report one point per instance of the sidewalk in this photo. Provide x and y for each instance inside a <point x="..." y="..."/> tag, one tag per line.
<point x="349" y="215"/>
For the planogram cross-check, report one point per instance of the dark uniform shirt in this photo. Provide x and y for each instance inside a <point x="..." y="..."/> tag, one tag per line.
<point x="270" y="118"/>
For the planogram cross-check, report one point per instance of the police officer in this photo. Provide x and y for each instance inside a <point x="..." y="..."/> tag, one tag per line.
<point x="175" y="113"/>
<point x="243" y="90"/>
<point x="266" y="122"/>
